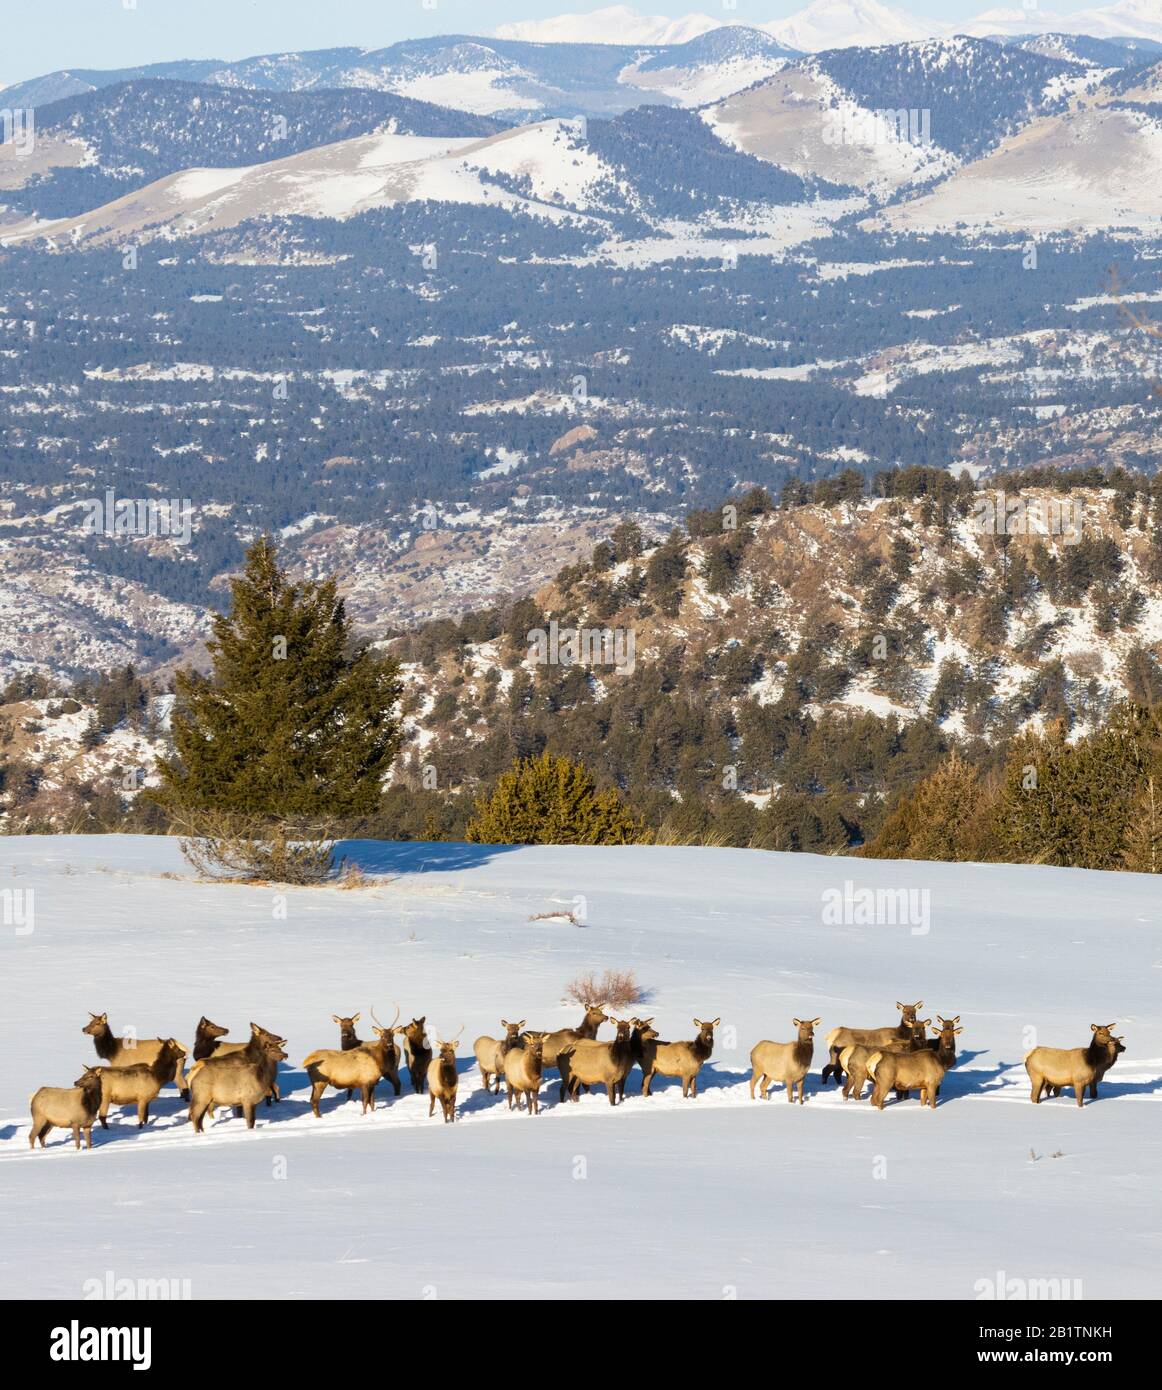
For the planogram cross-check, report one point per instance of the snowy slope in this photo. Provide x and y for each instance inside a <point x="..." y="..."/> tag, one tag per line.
<point x="345" y="178"/>
<point x="700" y="1197"/>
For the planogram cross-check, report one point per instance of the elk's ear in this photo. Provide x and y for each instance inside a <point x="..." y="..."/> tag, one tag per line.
<point x="798" y="1022"/>
<point x="958" y="1030"/>
<point x="697" y="1023"/>
<point x="816" y="1021"/>
<point x="356" y="1018"/>
<point x="924" y="1022"/>
<point x="1094" y="1027"/>
<point x="955" y="1020"/>
<point x="336" y="1019"/>
<point x="935" y="1029"/>
<point x="716" y="1022"/>
<point x="522" y="1023"/>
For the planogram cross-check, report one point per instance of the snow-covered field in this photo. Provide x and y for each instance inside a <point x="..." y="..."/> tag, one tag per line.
<point x="706" y="1198"/>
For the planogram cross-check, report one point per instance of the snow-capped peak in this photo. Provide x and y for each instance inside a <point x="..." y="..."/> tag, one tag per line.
<point x="614" y="24"/>
<point x="850" y="23"/>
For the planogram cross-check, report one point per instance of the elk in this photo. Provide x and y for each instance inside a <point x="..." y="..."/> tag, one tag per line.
<point x="443" y="1079"/>
<point x="839" y="1038"/>
<point x="138" y="1085"/>
<point x="787" y="1062"/>
<point x="595" y="1016"/>
<point x="587" y="1062"/>
<point x="490" y="1052"/>
<point x="206" y="1038"/>
<point x="240" y="1079"/>
<point x="61" y="1108"/>
<point x="679" y="1059"/>
<point x="920" y="1069"/>
<point x="234" y="1049"/>
<point x="417" y="1052"/>
<point x="129" y="1052"/>
<point x="943" y="1044"/>
<point x="854" y="1058"/>
<point x="358" y="1069"/>
<point x="523" y="1068"/>
<point x="639" y="1041"/>
<point x="1079" y="1067"/>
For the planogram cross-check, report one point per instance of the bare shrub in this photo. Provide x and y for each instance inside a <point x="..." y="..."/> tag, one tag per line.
<point x="555" y="917"/>
<point x="615" y="989"/>
<point x="231" y="848"/>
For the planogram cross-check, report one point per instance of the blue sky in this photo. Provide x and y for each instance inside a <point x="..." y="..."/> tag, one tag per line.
<point x="43" y="35"/>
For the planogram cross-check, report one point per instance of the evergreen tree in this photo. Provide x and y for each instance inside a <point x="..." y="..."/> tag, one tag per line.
<point x="551" y="801"/>
<point x="292" y="722"/>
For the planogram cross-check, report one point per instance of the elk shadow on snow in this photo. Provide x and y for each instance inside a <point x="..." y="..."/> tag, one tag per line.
<point x="395" y="857"/>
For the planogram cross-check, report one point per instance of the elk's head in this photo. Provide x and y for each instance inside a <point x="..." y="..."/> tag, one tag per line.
<point x="1103" y="1033"/>
<point x="947" y="1029"/>
<point x="346" y="1025"/>
<point x="806" y="1027"/>
<point x="206" y="1029"/>
<point x="595" y="1016"/>
<point x="447" y="1050"/>
<point x="706" y="1030"/>
<point x="919" y="1031"/>
<point x="512" y="1030"/>
<point x="91" y="1078"/>
<point x="535" y="1045"/>
<point x="624" y="1027"/>
<point x="414" y="1031"/>
<point x="96" y="1025"/>
<point x="908" y="1011"/>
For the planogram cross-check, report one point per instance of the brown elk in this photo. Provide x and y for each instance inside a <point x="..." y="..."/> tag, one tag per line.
<point x="839" y="1038"/>
<point x="523" y="1069"/>
<point x="854" y="1058"/>
<point x="138" y="1085"/>
<point x="206" y="1038"/>
<point x="416" y="1051"/>
<point x="920" y="1069"/>
<point x="490" y="1052"/>
<point x="1079" y="1067"/>
<point x="679" y="1059"/>
<point x="130" y="1052"/>
<point x="786" y="1062"/>
<point x="234" y="1049"/>
<point x="591" y="1063"/>
<point x="61" y="1108"/>
<point x="443" y="1079"/>
<point x="643" y="1034"/>
<point x="240" y="1079"/>
<point x="943" y="1044"/>
<point x="595" y="1016"/>
<point x="358" y="1069"/>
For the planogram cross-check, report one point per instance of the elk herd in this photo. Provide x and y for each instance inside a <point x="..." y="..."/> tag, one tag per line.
<point x="896" y="1059"/>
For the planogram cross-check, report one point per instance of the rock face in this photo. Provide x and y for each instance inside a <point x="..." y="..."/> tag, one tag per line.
<point x="572" y="440"/>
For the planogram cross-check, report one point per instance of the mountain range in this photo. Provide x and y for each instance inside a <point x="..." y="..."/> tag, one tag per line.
<point x="437" y="315"/>
<point x="847" y="23"/>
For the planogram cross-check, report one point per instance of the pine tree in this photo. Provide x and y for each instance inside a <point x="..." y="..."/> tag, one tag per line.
<point x="292" y="723"/>
<point x="551" y="801"/>
<point x="1143" y="849"/>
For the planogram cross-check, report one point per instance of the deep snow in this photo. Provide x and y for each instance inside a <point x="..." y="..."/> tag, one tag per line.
<point x="711" y="1198"/>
